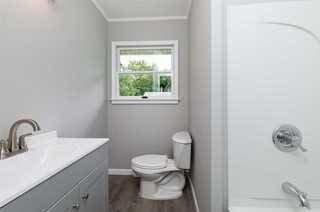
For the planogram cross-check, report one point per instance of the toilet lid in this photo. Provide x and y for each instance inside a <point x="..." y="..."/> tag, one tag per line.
<point x="150" y="161"/>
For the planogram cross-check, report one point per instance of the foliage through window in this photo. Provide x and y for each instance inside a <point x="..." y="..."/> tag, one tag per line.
<point x="145" y="72"/>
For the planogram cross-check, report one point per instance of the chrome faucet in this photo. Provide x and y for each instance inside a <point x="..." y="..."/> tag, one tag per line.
<point x="294" y="191"/>
<point x="16" y="143"/>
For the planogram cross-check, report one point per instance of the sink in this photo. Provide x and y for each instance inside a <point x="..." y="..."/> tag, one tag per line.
<point x="48" y="154"/>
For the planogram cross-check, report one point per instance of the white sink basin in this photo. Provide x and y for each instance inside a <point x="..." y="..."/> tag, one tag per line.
<point x="47" y="156"/>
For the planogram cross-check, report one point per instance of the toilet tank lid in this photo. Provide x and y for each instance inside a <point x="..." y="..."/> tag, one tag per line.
<point x="183" y="137"/>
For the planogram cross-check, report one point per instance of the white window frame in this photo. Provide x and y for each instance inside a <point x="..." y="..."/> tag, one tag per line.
<point x="117" y="99"/>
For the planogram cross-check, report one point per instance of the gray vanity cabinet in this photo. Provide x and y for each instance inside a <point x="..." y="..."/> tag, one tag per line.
<point x="93" y="193"/>
<point x="69" y="203"/>
<point x="81" y="187"/>
<point x="88" y="196"/>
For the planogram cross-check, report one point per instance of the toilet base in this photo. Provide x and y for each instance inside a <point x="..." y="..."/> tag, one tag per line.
<point x="170" y="187"/>
<point x="162" y="195"/>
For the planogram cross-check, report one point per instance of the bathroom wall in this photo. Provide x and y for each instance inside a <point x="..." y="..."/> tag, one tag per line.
<point x="53" y="66"/>
<point x="200" y="100"/>
<point x="141" y="129"/>
<point x="273" y="79"/>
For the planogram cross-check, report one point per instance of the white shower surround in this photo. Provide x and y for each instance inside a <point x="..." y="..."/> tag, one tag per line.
<point x="273" y="78"/>
<point x="257" y="209"/>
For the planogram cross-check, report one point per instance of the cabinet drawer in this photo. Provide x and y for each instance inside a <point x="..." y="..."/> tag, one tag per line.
<point x="69" y="203"/>
<point x="93" y="191"/>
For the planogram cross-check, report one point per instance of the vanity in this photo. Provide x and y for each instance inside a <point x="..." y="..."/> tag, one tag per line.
<point x="56" y="175"/>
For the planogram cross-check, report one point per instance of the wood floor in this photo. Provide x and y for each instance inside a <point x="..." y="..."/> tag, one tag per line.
<point x="124" y="197"/>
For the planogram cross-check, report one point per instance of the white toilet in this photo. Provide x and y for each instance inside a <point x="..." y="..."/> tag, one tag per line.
<point x="163" y="178"/>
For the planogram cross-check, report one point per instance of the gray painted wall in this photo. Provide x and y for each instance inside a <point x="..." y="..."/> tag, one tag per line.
<point x="141" y="129"/>
<point x="53" y="66"/>
<point x="200" y="100"/>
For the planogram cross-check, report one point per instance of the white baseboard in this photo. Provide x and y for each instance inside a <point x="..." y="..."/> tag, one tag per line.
<point x="120" y="172"/>
<point x="194" y="195"/>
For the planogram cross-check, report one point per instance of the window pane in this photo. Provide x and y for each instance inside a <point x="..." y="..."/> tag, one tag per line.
<point x="153" y="84"/>
<point x="144" y="60"/>
<point x="165" y="83"/>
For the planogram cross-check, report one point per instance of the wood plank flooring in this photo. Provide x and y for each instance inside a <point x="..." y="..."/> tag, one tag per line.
<point x="124" y="197"/>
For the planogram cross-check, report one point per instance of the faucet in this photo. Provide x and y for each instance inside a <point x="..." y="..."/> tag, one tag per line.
<point x="16" y="143"/>
<point x="294" y="191"/>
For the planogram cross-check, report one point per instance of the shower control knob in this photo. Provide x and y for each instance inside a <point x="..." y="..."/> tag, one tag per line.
<point x="288" y="138"/>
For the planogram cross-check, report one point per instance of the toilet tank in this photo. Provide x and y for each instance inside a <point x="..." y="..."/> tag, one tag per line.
<point x="182" y="149"/>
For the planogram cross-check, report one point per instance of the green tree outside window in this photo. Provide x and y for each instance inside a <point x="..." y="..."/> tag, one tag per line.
<point x="139" y="84"/>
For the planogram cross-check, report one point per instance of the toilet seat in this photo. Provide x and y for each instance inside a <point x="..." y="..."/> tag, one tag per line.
<point x="168" y="167"/>
<point x="151" y="162"/>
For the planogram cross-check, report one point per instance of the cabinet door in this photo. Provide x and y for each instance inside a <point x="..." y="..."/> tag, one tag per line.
<point x="69" y="203"/>
<point x="93" y="192"/>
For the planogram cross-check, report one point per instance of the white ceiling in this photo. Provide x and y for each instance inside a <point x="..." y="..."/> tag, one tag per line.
<point x="131" y="10"/>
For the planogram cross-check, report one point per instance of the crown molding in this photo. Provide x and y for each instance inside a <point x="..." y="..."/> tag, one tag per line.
<point x="189" y="8"/>
<point x="100" y="9"/>
<point x="160" y="18"/>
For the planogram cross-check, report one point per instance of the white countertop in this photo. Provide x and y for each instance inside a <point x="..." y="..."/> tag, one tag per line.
<point x="47" y="156"/>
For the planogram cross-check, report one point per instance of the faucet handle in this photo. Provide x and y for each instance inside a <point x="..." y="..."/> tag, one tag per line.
<point x="4" y="151"/>
<point x="302" y="148"/>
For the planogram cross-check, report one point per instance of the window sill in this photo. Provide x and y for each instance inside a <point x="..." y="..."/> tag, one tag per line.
<point x="145" y="102"/>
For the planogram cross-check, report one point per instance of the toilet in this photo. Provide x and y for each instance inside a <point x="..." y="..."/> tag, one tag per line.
<point x="162" y="178"/>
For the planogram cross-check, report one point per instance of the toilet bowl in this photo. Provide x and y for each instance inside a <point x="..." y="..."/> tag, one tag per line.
<point x="163" y="178"/>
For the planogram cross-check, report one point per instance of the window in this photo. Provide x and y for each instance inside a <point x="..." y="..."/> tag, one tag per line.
<point x="145" y="72"/>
